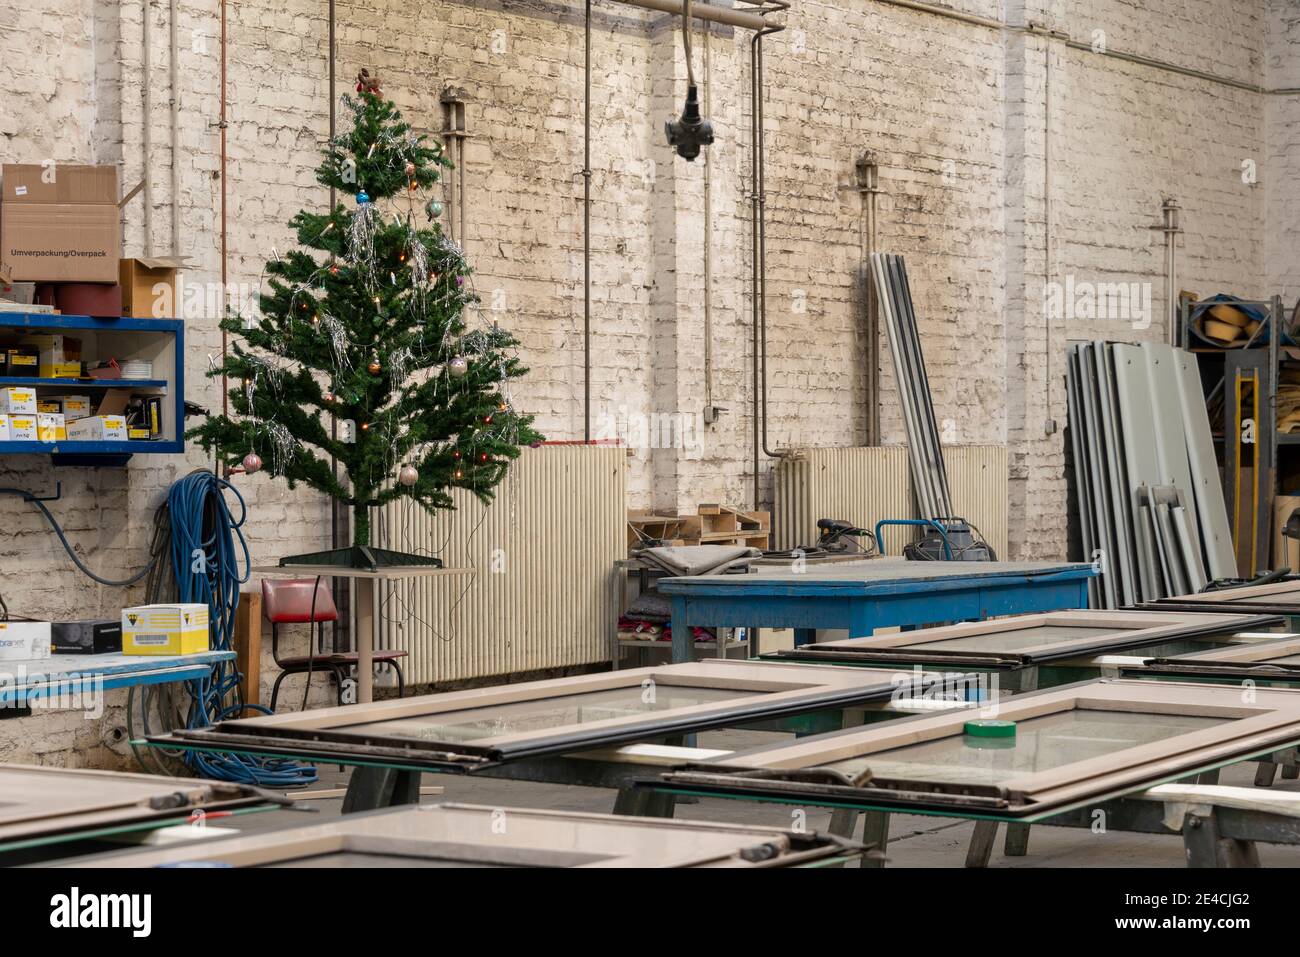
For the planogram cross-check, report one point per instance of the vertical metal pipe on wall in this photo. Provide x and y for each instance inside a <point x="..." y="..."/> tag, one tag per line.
<point x="759" y="238"/>
<point x="866" y="176"/>
<point x="1171" y="227"/>
<point x="586" y="230"/>
<point x="174" y="87"/>
<point x="1049" y="251"/>
<point x="708" y="243"/>
<point x="1171" y="284"/>
<point x="222" y="125"/>
<point x="755" y="219"/>
<point x="146" y="130"/>
<point x="340" y="514"/>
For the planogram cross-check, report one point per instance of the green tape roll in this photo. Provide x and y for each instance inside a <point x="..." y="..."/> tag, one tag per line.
<point x="991" y="729"/>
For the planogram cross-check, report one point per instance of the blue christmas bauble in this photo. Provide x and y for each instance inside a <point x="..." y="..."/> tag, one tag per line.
<point x="363" y="197"/>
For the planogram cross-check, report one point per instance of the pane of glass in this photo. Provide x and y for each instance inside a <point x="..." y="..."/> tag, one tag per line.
<point x="1194" y="645"/>
<point x="1040" y="744"/>
<point x="368" y="859"/>
<point x="523" y="716"/>
<point x="1018" y="640"/>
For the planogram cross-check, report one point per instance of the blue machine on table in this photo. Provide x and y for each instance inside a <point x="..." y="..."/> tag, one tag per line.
<point x="875" y="593"/>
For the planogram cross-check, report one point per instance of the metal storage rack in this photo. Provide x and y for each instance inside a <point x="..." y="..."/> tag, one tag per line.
<point x="632" y="573"/>
<point x="1248" y="449"/>
<point x="161" y="341"/>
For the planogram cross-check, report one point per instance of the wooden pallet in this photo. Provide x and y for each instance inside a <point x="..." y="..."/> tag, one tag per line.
<point x="711" y="525"/>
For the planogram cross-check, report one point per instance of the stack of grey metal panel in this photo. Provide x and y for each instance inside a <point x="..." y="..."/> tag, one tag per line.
<point x="929" y="478"/>
<point x="1151" y="504"/>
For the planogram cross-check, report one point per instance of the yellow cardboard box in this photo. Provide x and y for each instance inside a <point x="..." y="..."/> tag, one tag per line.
<point x="51" y="427"/>
<point x="165" y="629"/>
<point x="22" y="428"/>
<point x="18" y="401"/>
<point x="96" y="428"/>
<point x="75" y="406"/>
<point x="60" y="355"/>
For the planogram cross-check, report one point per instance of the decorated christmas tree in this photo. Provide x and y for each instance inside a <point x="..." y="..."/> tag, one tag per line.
<point x="365" y="324"/>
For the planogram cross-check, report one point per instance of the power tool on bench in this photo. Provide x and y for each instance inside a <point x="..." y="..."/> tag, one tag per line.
<point x="834" y="537"/>
<point x="944" y="539"/>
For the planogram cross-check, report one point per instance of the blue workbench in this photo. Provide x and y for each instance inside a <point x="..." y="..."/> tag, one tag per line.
<point x="76" y="676"/>
<point x="863" y="596"/>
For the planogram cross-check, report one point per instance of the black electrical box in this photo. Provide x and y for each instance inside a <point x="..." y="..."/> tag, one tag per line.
<point x="86" y="637"/>
<point x="22" y="362"/>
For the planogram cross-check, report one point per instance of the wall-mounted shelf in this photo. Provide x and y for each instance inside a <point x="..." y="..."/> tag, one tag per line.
<point x="84" y="383"/>
<point x="160" y="341"/>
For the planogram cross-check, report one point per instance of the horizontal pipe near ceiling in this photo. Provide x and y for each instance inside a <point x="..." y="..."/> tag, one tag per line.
<point x="1033" y="29"/>
<point x="703" y="11"/>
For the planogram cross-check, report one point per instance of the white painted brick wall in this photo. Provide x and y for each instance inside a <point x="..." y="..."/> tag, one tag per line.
<point x="954" y="112"/>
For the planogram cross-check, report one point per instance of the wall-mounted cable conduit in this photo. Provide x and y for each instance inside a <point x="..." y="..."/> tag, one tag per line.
<point x="759" y="292"/>
<point x="1088" y="47"/>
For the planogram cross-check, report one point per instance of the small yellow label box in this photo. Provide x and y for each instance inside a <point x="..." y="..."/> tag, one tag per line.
<point x="165" y="629"/>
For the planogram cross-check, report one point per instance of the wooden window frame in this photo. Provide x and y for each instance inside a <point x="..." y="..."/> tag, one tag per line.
<point x="45" y="802"/>
<point x="1275" y="598"/>
<point x="1269" y="720"/>
<point x="1250" y="661"/>
<point x="1133" y="629"/>
<point x="332" y="733"/>
<point x="530" y="838"/>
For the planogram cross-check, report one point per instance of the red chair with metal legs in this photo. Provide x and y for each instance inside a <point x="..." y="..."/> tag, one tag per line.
<point x="291" y="601"/>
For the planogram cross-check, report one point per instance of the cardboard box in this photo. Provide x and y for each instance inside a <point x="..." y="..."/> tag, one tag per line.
<point x="20" y="293"/>
<point x="165" y="629"/>
<point x="74" y="406"/>
<point x="86" y="637"/>
<point x="51" y="427"/>
<point x="96" y="428"/>
<point x="15" y="398"/>
<point x="58" y="356"/>
<point x="22" y="428"/>
<point x="21" y="307"/>
<point x="4" y="426"/>
<point x="149" y="287"/>
<point x="23" y="640"/>
<point x="60" y="223"/>
<point x="21" y="360"/>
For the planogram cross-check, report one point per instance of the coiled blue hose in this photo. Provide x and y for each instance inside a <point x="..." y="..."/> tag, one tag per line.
<point x="207" y="542"/>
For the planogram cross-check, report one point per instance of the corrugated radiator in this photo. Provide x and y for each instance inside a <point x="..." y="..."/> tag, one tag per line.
<point x="865" y="485"/>
<point x="542" y="555"/>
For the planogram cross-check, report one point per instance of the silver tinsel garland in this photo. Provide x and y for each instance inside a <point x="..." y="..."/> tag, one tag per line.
<point x="337" y="335"/>
<point x="283" y="447"/>
<point x="418" y="259"/>
<point x="399" y="367"/>
<point x="361" y="237"/>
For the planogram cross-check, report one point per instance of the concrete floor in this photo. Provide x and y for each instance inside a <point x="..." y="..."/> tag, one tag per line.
<point x="915" y="840"/>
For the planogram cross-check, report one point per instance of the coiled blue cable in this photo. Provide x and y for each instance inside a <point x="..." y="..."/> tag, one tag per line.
<point x="207" y="542"/>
